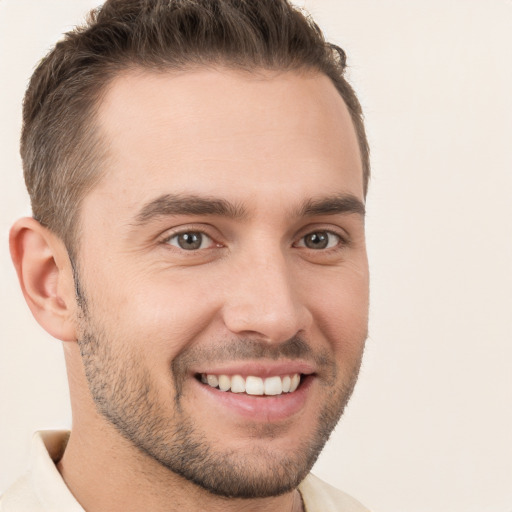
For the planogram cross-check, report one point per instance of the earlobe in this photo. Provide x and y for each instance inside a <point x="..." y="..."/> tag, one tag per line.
<point x="46" y="278"/>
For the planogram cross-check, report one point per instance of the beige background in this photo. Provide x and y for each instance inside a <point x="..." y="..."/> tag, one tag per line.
<point x="430" y="425"/>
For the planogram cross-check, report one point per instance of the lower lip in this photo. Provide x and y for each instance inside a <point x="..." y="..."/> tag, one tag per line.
<point x="262" y="408"/>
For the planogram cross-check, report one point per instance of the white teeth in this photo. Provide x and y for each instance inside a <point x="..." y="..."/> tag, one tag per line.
<point x="237" y="384"/>
<point x="254" y="386"/>
<point x="295" y="382"/>
<point x="224" y="383"/>
<point x="212" y="380"/>
<point x="271" y="386"/>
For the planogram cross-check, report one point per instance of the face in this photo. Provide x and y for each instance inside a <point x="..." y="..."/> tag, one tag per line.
<point x="224" y="275"/>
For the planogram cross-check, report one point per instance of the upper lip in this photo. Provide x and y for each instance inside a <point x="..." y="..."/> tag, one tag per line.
<point x="257" y="368"/>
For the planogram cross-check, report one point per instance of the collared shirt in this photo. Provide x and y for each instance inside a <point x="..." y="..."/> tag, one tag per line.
<point x="42" y="488"/>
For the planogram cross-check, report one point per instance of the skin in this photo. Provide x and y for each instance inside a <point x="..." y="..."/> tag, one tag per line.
<point x="155" y="315"/>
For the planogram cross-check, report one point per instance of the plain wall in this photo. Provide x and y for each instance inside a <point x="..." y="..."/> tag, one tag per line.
<point x="430" y="424"/>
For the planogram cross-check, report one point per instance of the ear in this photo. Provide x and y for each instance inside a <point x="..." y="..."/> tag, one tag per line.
<point x="46" y="277"/>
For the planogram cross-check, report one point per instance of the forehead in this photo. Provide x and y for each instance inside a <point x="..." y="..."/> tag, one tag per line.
<point x="225" y="132"/>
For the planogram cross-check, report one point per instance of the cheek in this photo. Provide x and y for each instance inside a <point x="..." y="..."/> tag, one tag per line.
<point x="159" y="316"/>
<point x="340" y="307"/>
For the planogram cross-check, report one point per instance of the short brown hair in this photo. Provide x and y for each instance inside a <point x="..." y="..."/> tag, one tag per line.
<point x="60" y="149"/>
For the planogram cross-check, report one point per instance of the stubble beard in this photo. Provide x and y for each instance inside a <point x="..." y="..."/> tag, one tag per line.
<point x="126" y="396"/>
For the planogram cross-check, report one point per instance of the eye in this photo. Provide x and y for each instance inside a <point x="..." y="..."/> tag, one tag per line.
<point x="190" y="240"/>
<point x="319" y="240"/>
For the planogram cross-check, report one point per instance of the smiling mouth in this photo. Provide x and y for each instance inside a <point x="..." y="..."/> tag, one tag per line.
<point x="252" y="385"/>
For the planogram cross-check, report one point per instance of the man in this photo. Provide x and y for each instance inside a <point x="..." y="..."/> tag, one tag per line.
<point x="197" y="172"/>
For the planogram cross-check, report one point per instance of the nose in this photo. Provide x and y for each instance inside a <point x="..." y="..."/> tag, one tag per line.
<point x="264" y="299"/>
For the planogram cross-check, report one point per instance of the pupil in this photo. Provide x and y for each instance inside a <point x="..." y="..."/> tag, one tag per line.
<point x="190" y="241"/>
<point x="317" y="240"/>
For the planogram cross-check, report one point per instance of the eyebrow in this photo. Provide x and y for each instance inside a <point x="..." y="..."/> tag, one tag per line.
<point x="178" y="204"/>
<point x="333" y="205"/>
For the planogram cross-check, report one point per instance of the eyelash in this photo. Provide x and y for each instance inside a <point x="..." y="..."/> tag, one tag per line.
<point x="176" y="236"/>
<point x="341" y="241"/>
